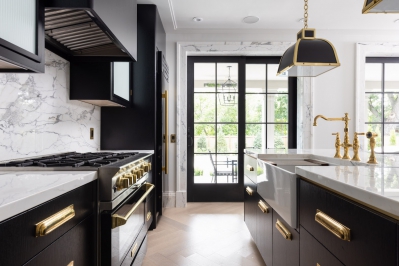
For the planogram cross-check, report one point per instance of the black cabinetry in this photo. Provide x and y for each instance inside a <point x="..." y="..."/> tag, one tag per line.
<point x="250" y="206"/>
<point x="264" y="231"/>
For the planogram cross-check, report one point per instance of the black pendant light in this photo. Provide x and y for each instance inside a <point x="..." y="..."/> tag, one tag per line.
<point x="309" y="56"/>
<point x="227" y="94"/>
<point x="380" y="6"/>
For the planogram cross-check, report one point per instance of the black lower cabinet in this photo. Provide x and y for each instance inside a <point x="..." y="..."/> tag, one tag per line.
<point x="264" y="231"/>
<point x="285" y="251"/>
<point x="313" y="253"/>
<point x="75" y="248"/>
<point x="138" y="261"/>
<point x="250" y="206"/>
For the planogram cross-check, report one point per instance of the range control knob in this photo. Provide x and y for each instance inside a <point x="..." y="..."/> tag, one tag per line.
<point x="149" y="166"/>
<point x="138" y="173"/>
<point x="146" y="168"/>
<point x="130" y="177"/>
<point x="141" y="172"/>
<point x="122" y="183"/>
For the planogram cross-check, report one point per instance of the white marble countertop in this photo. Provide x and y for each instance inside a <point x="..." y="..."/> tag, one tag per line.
<point x="20" y="191"/>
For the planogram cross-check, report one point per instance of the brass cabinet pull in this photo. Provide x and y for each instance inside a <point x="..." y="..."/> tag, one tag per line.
<point x="249" y="191"/>
<point x="339" y="230"/>
<point x="134" y="249"/>
<point x="263" y="207"/>
<point x="283" y="230"/>
<point x="166" y="136"/>
<point x="149" y="216"/>
<point x="51" y="223"/>
<point x="250" y="168"/>
<point x="118" y="220"/>
<point x="70" y="264"/>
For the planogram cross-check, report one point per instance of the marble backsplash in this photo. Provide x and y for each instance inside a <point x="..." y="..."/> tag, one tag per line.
<point x="37" y="117"/>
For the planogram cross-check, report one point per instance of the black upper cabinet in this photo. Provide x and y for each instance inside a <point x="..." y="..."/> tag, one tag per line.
<point x="21" y="36"/>
<point x="102" y="83"/>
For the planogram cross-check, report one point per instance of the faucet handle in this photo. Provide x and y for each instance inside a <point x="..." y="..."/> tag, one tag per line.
<point x="337" y="146"/>
<point x="356" y="146"/>
<point x="371" y="136"/>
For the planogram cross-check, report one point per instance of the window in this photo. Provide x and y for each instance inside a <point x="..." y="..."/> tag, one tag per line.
<point x="382" y="102"/>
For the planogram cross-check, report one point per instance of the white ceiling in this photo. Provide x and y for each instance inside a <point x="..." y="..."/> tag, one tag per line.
<point x="280" y="14"/>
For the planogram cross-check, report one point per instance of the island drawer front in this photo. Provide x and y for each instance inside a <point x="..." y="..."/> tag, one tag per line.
<point x="250" y="205"/>
<point x="76" y="248"/>
<point x="264" y="230"/>
<point x="250" y="167"/>
<point x="373" y="238"/>
<point x="285" y="252"/>
<point x="20" y="231"/>
<point x="313" y="253"/>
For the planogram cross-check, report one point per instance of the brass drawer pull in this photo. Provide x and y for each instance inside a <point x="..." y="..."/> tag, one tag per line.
<point x="118" y="220"/>
<point x="70" y="264"/>
<point x="51" y="223"/>
<point x="263" y="207"/>
<point x="148" y="216"/>
<point x="134" y="249"/>
<point x="250" y="168"/>
<point x="283" y="230"/>
<point x="249" y="191"/>
<point x="339" y="230"/>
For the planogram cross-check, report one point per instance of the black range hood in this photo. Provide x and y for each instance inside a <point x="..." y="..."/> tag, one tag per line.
<point x="92" y="28"/>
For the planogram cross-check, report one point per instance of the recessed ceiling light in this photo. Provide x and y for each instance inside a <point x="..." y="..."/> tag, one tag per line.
<point x="396" y="21"/>
<point x="197" y="19"/>
<point x="250" y="19"/>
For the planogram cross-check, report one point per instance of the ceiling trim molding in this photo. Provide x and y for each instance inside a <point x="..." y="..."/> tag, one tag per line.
<point x="172" y="13"/>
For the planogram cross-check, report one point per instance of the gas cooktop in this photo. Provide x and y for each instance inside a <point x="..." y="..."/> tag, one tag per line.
<point x="72" y="159"/>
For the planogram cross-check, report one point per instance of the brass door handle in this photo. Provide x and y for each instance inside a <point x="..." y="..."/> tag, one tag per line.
<point x="51" y="223"/>
<point x="283" y="230"/>
<point x="250" y="168"/>
<point x="149" y="216"/>
<point x="134" y="249"/>
<point x="338" y="229"/>
<point x="263" y="207"/>
<point x="166" y="136"/>
<point x="249" y="191"/>
<point x="118" y="220"/>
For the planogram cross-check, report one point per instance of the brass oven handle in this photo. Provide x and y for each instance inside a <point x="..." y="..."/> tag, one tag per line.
<point x="250" y="168"/>
<point x="166" y="136"/>
<point x="249" y="191"/>
<point x="263" y="207"/>
<point x="118" y="220"/>
<point x="134" y="249"/>
<point x="338" y="229"/>
<point x="149" y="216"/>
<point x="51" y="223"/>
<point x="283" y="230"/>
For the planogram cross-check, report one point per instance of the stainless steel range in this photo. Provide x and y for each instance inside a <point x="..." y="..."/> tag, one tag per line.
<point x="125" y="197"/>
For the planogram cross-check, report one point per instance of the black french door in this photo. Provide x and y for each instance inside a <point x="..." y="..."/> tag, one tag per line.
<point x="233" y="103"/>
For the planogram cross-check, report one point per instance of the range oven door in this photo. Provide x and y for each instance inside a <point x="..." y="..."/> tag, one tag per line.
<point x="121" y="227"/>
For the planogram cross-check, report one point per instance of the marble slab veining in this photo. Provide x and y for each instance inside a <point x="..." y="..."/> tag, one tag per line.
<point x="20" y="191"/>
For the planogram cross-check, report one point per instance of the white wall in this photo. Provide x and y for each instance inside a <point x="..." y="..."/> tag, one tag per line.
<point x="334" y="92"/>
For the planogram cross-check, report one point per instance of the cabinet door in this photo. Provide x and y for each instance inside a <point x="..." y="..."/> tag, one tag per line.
<point x="121" y="84"/>
<point x="250" y="206"/>
<point x="285" y="251"/>
<point x="264" y="231"/>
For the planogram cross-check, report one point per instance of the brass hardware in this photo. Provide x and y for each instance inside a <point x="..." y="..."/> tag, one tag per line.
<point x="356" y="146"/>
<point x="51" y="223"/>
<point x="337" y="146"/>
<point x="122" y="183"/>
<point x="263" y="207"/>
<point x="339" y="230"/>
<point x="118" y="220"/>
<point x="131" y="92"/>
<point x="371" y="136"/>
<point x="130" y="177"/>
<point x="250" y="168"/>
<point x="149" y="216"/>
<point x="165" y="96"/>
<point x="249" y="191"/>
<point x="146" y="168"/>
<point x="91" y="133"/>
<point x="283" y="230"/>
<point x="70" y="264"/>
<point x="317" y="264"/>
<point x="134" y="249"/>
<point x="173" y="138"/>
<point x="149" y="166"/>
<point x="367" y="8"/>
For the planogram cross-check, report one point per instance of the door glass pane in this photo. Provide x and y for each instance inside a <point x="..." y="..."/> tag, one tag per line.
<point x="378" y="140"/>
<point x="255" y="108"/>
<point x="226" y="168"/>
<point x="373" y="77"/>
<point x="204" y="107"/>
<point x="227" y="113"/>
<point x="227" y="138"/>
<point x="277" y="108"/>
<point x="18" y="23"/>
<point x="255" y="136"/>
<point x="391" y="77"/>
<point x="373" y="107"/>
<point x="277" y="136"/>
<point x="204" y="171"/>
<point x="391" y="137"/>
<point x="276" y="84"/>
<point x="122" y="79"/>
<point x="255" y="75"/>
<point x="204" y="138"/>
<point x="391" y="107"/>
<point x="204" y="77"/>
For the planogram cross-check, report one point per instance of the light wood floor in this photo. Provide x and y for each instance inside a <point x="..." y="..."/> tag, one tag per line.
<point x="203" y="234"/>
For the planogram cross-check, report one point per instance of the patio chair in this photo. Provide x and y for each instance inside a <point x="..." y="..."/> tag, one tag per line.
<point x="227" y="171"/>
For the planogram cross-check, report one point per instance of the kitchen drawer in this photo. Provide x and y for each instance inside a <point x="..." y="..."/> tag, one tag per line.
<point x="18" y="234"/>
<point x="250" y="206"/>
<point x="313" y="253"/>
<point x="250" y="167"/>
<point x="264" y="230"/>
<point x="77" y="246"/>
<point x="137" y="250"/>
<point x="285" y="251"/>
<point x="373" y="237"/>
<point x="138" y="261"/>
<point x="149" y="209"/>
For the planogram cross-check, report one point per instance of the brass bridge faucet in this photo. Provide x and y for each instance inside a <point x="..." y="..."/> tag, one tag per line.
<point x="346" y="145"/>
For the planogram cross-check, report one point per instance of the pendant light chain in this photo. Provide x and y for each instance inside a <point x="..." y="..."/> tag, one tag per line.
<point x="305" y="16"/>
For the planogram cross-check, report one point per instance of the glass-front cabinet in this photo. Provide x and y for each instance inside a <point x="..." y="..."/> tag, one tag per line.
<point x="21" y="36"/>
